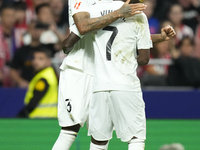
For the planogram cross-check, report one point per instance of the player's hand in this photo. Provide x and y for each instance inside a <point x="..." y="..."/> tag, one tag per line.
<point x="167" y="33"/>
<point x="128" y="10"/>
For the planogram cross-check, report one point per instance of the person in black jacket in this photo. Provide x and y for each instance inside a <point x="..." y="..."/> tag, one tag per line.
<point x="185" y="70"/>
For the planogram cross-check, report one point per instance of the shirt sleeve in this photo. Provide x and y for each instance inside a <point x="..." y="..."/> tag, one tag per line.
<point x="144" y="37"/>
<point x="74" y="29"/>
<point x="79" y="6"/>
<point x="39" y="92"/>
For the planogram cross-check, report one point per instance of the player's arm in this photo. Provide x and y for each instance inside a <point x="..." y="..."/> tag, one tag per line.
<point x="86" y="24"/>
<point x="166" y="34"/>
<point x="69" y="42"/>
<point x="39" y="92"/>
<point x="144" y="42"/>
<point x="143" y="57"/>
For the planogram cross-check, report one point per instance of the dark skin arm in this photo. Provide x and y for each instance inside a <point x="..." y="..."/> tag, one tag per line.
<point x="143" y="57"/>
<point x="69" y="42"/>
<point x="166" y="34"/>
<point x="86" y="24"/>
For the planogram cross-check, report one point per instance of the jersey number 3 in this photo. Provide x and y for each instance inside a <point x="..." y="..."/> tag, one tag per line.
<point x="110" y="41"/>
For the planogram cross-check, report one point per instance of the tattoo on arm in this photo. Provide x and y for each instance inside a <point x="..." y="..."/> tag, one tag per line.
<point x="85" y="24"/>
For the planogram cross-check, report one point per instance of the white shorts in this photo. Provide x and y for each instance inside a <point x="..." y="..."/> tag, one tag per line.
<point x="123" y="110"/>
<point x="74" y="94"/>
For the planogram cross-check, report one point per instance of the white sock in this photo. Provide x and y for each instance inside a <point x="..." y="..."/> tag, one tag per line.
<point x="98" y="147"/>
<point x="136" y="144"/>
<point x="65" y="140"/>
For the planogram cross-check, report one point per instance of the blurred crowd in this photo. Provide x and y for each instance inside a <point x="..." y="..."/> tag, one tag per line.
<point x="26" y="25"/>
<point x="175" y="62"/>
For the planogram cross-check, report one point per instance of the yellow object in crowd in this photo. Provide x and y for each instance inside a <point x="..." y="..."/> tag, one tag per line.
<point x="47" y="107"/>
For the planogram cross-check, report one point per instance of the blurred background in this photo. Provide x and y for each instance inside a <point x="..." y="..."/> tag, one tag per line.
<point x="170" y="81"/>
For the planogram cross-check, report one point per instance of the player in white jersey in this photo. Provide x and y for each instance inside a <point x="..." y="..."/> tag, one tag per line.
<point x="117" y="99"/>
<point x="166" y="34"/>
<point x="85" y="24"/>
<point x="76" y="75"/>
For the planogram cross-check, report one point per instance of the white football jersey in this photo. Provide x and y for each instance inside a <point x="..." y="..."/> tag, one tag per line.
<point x="116" y="49"/>
<point x="82" y="55"/>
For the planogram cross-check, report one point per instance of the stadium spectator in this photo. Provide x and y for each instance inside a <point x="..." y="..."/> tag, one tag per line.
<point x="39" y="2"/>
<point x="197" y="42"/>
<point x="176" y="17"/>
<point x="174" y="146"/>
<point x="191" y="12"/>
<point x="31" y="5"/>
<point x="155" y="74"/>
<point x="162" y="8"/>
<point x="45" y="15"/>
<point x="51" y="17"/>
<point x="20" y="26"/>
<point x="6" y="2"/>
<point x="154" y="24"/>
<point x="41" y="97"/>
<point x="21" y="67"/>
<point x="60" y="13"/>
<point x="7" y="42"/>
<point x="185" y="69"/>
<point x="7" y="28"/>
<point x="186" y="47"/>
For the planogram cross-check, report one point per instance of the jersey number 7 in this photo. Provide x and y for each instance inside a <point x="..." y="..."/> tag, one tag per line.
<point x="110" y="41"/>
